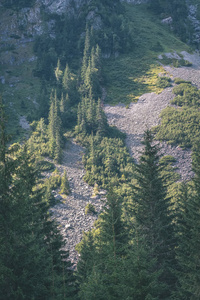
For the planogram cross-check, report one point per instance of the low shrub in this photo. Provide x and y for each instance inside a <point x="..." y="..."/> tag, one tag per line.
<point x="90" y="209"/>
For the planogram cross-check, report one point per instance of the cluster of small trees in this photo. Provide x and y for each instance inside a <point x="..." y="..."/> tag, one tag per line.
<point x="181" y="124"/>
<point x="32" y="264"/>
<point x="178" y="10"/>
<point x="149" y="249"/>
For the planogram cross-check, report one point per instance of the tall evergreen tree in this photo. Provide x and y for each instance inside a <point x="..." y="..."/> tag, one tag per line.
<point x="189" y="237"/>
<point x="66" y="78"/>
<point x="55" y="129"/>
<point x="86" y="53"/>
<point x="154" y="218"/>
<point x="31" y="261"/>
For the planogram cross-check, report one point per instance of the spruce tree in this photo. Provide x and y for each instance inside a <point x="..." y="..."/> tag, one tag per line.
<point x="86" y="53"/>
<point x="58" y="72"/>
<point x="55" y="130"/>
<point x="189" y="236"/>
<point x="64" y="187"/>
<point x="66" y="78"/>
<point x="154" y="218"/>
<point x="31" y="261"/>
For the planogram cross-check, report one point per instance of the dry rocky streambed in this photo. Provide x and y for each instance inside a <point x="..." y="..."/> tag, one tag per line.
<point x="70" y="212"/>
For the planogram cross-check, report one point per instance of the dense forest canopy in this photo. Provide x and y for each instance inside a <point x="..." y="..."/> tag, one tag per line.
<point x="145" y="242"/>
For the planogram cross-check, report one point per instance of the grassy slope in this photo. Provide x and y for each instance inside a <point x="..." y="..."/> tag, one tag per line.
<point x="127" y="77"/>
<point x="133" y="74"/>
<point x="21" y="89"/>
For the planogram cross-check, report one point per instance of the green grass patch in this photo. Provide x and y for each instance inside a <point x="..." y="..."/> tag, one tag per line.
<point x="131" y="75"/>
<point x="164" y="82"/>
<point x="187" y="95"/>
<point x="179" y="126"/>
<point x="180" y="80"/>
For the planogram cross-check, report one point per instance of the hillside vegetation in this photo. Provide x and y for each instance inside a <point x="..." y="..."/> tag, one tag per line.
<point x="145" y="242"/>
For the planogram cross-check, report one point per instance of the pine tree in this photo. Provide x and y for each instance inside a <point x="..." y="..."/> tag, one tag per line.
<point x="66" y="78"/>
<point x="31" y="261"/>
<point x="101" y="120"/>
<point x="64" y="187"/>
<point x="113" y="234"/>
<point x="101" y="262"/>
<point x="54" y="130"/>
<point x="154" y="218"/>
<point x="189" y="236"/>
<point x="58" y="72"/>
<point x="86" y="53"/>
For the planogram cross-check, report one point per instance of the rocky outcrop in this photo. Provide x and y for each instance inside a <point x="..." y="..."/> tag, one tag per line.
<point x="62" y="6"/>
<point x="135" y="1"/>
<point x="194" y="22"/>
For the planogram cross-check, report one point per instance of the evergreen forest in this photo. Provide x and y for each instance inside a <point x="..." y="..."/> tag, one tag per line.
<point x="144" y="243"/>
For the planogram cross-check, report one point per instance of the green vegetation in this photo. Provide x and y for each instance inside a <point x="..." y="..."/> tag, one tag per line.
<point x="31" y="260"/>
<point x="145" y="243"/>
<point x="90" y="209"/>
<point x="180" y="80"/>
<point x="107" y="160"/>
<point x="181" y="125"/>
<point x="64" y="187"/>
<point x="163" y="82"/>
<point x="187" y="95"/>
<point x="130" y="75"/>
<point x="175" y="62"/>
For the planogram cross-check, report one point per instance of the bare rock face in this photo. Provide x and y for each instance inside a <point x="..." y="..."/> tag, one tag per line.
<point x="62" y="6"/>
<point x="135" y="1"/>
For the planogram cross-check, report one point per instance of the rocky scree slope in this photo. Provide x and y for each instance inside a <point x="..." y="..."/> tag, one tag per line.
<point x="69" y="212"/>
<point x="145" y="114"/>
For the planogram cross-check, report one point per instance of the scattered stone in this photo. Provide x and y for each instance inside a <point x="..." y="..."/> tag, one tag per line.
<point x="145" y="114"/>
<point x="167" y="21"/>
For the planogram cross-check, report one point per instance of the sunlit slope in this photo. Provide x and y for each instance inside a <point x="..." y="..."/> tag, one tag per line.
<point x="130" y="75"/>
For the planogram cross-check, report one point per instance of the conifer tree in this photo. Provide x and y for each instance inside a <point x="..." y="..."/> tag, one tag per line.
<point x="54" y="130"/>
<point x="64" y="187"/>
<point x="113" y="234"/>
<point x="86" y="53"/>
<point x="101" y="120"/>
<point x="101" y="265"/>
<point x="154" y="218"/>
<point x="66" y="78"/>
<point x="189" y="236"/>
<point x="31" y="261"/>
<point x="58" y="71"/>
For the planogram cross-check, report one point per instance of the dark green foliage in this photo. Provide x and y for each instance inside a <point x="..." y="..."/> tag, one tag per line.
<point x="45" y="165"/>
<point x="100" y="274"/>
<point x="106" y="161"/>
<point x="189" y="236"/>
<point x="180" y="80"/>
<point x="175" y="62"/>
<point x="181" y="126"/>
<point x="91" y="118"/>
<point x="54" y="180"/>
<point x="64" y="187"/>
<point x="177" y="10"/>
<point x="90" y="209"/>
<point x="32" y="264"/>
<point x="112" y="35"/>
<point x="163" y="82"/>
<point x="187" y="95"/>
<point x="39" y="138"/>
<point x="17" y="3"/>
<point x="154" y="218"/>
<point x="55" y="130"/>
